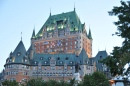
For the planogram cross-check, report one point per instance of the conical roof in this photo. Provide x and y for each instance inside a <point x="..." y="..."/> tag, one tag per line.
<point x="33" y="34"/>
<point x="19" y="55"/>
<point x="20" y="48"/>
<point x="90" y="35"/>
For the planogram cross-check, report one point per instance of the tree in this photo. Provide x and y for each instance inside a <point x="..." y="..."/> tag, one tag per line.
<point x="96" y="79"/>
<point x="10" y="83"/>
<point x="99" y="79"/>
<point x="120" y="55"/>
<point x="40" y="82"/>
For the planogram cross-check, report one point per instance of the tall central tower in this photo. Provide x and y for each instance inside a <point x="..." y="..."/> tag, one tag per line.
<point x="62" y="33"/>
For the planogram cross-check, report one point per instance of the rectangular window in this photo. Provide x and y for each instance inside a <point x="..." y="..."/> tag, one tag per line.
<point x="22" y="66"/>
<point x="66" y="48"/>
<point x="45" y="68"/>
<point x="71" y="68"/>
<point x="70" y="47"/>
<point x="34" y="68"/>
<point x="75" y="42"/>
<point x="70" y="43"/>
<point x="39" y="67"/>
<point x="10" y="66"/>
<point x="65" y="68"/>
<point x="51" y="68"/>
<point x="16" y="72"/>
<point x="27" y="67"/>
<point x="17" y="66"/>
<point x="59" y="68"/>
<point x="47" y="46"/>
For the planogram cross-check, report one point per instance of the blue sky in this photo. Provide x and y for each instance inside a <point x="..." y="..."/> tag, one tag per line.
<point x="18" y="16"/>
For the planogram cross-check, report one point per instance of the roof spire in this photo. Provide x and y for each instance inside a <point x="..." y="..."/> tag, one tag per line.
<point x="34" y="26"/>
<point x="50" y="11"/>
<point x="74" y="6"/>
<point x="21" y="36"/>
<point x="89" y="34"/>
<point x="33" y="34"/>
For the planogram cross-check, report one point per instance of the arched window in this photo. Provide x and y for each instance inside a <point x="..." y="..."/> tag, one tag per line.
<point x="61" y="62"/>
<point x="41" y="58"/>
<point x="71" y="62"/>
<point x="49" y="58"/>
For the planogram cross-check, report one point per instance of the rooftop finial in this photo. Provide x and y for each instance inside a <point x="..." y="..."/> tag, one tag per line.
<point x="33" y="34"/>
<point x="74" y="6"/>
<point x="21" y="36"/>
<point x="89" y="34"/>
<point x="34" y="26"/>
<point x="50" y="11"/>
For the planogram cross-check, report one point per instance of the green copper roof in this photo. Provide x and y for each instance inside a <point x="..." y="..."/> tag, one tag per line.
<point x="20" y="48"/>
<point x="19" y="55"/>
<point x="89" y="34"/>
<point x="61" y="21"/>
<point x="61" y="59"/>
<point x="84" y="57"/>
<point x="100" y="55"/>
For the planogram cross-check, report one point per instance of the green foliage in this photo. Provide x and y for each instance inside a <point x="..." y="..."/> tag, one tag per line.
<point x="96" y="79"/>
<point x="120" y="55"/>
<point x="9" y="83"/>
<point x="72" y="82"/>
<point x="116" y="61"/>
<point x="40" y="82"/>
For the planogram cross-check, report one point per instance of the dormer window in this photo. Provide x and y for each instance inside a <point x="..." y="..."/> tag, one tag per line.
<point x="58" y="58"/>
<point x="66" y="58"/>
<point x="18" y="53"/>
<point x="100" y="57"/>
<point x="61" y="62"/>
<point x="77" y="56"/>
<point x="49" y="58"/>
<point x="41" y="58"/>
<point x="26" y="60"/>
<point x="87" y="62"/>
<point x="35" y="62"/>
<point x="71" y="62"/>
<point x="45" y="62"/>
